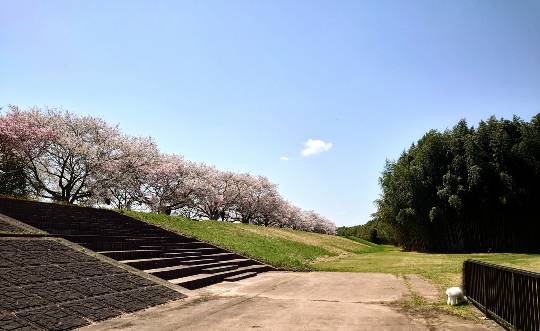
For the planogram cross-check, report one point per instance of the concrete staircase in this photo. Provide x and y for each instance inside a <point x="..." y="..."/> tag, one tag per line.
<point x="183" y="261"/>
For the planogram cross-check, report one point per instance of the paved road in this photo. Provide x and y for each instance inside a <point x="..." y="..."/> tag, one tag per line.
<point x="297" y="301"/>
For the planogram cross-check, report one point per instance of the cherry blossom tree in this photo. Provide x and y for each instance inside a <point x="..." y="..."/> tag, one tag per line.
<point x="74" y="164"/>
<point x="313" y="222"/>
<point x="82" y="159"/>
<point x="22" y="134"/>
<point x="138" y="157"/>
<point x="255" y="194"/>
<point x="167" y="185"/>
<point x="216" y="194"/>
<point x="323" y="225"/>
<point x="13" y="125"/>
<point x="271" y="211"/>
<point x="291" y="215"/>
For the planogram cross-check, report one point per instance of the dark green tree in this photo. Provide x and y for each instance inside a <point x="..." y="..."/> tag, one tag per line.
<point x="12" y="176"/>
<point x="466" y="189"/>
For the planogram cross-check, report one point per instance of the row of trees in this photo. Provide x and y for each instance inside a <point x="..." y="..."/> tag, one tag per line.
<point x="63" y="157"/>
<point x="466" y="189"/>
<point x="373" y="231"/>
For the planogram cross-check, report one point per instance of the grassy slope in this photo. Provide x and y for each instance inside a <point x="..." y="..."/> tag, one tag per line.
<point x="298" y="250"/>
<point x="282" y="248"/>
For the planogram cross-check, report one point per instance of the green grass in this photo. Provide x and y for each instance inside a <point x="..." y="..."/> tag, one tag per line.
<point x="374" y="247"/>
<point x="442" y="269"/>
<point x="300" y="250"/>
<point x="283" y="248"/>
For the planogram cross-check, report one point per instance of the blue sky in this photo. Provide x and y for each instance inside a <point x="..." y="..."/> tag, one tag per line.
<point x="244" y="84"/>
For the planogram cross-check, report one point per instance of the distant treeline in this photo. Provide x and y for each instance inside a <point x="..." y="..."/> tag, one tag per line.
<point x="466" y="189"/>
<point x="372" y="231"/>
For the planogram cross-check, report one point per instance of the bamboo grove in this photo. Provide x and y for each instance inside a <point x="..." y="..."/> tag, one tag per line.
<point x="466" y="189"/>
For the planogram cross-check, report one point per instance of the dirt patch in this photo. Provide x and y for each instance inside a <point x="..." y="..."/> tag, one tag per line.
<point x="435" y="318"/>
<point x="424" y="288"/>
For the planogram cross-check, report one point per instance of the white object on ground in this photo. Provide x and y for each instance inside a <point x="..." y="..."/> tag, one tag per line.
<point x="237" y="222"/>
<point x="455" y="296"/>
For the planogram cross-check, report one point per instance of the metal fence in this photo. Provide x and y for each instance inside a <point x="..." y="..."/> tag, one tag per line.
<point x="509" y="296"/>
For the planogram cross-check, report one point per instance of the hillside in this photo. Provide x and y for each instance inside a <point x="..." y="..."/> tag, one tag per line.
<point x="283" y="248"/>
<point x="299" y="250"/>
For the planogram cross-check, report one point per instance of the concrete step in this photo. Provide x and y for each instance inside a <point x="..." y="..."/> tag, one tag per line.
<point x="179" y="245"/>
<point x="196" y="249"/>
<point x="131" y="244"/>
<point x="161" y="262"/>
<point x="201" y="266"/>
<point x="132" y="254"/>
<point x="136" y="254"/>
<point x="202" y="280"/>
<point x="90" y="237"/>
<point x="216" y="257"/>
<point x="214" y="270"/>
<point x="240" y="276"/>
<point x="190" y="250"/>
<point x="188" y="270"/>
<point x="198" y="261"/>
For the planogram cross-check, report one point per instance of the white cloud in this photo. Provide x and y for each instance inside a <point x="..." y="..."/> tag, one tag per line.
<point x="284" y="158"/>
<point x="315" y="146"/>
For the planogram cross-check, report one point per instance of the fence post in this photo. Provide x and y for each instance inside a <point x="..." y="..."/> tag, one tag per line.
<point x="514" y="322"/>
<point x="484" y="271"/>
<point x="464" y="277"/>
